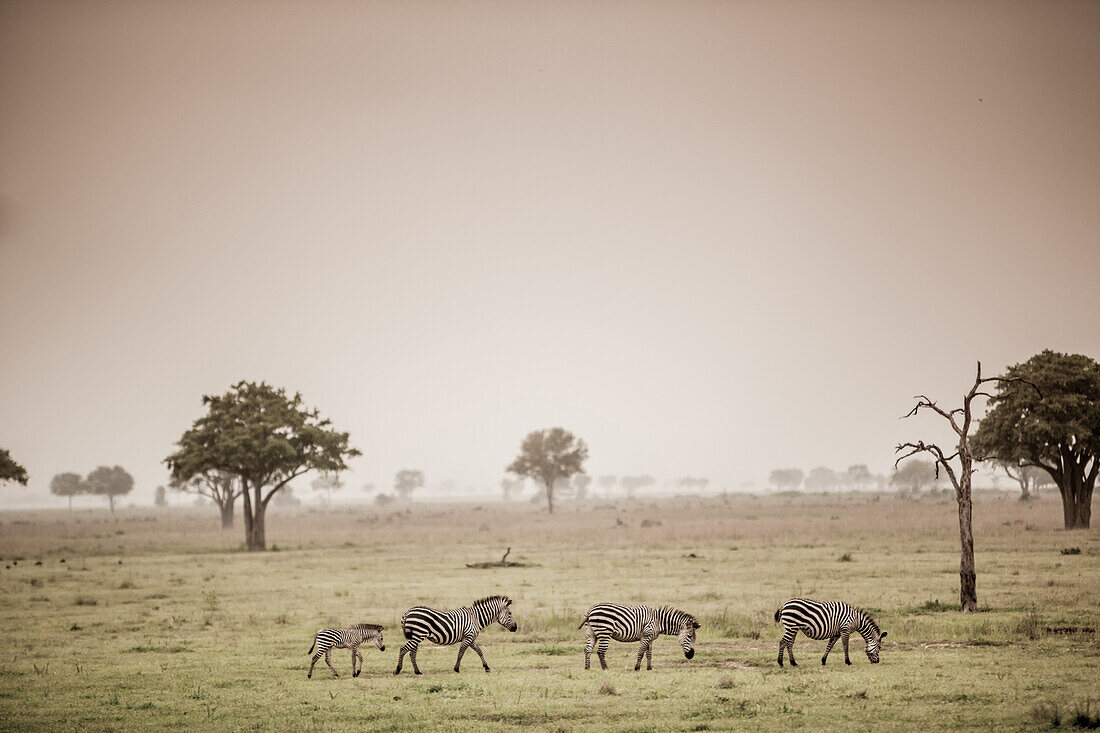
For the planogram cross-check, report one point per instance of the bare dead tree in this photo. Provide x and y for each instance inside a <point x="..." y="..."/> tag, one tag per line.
<point x="960" y="420"/>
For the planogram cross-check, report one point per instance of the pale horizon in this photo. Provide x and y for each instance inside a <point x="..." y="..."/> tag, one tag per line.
<point x="710" y="239"/>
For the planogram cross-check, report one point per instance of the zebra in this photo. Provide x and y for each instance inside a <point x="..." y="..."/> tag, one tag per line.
<point x="452" y="627"/>
<point x="830" y="621"/>
<point x="328" y="639"/>
<point x="643" y="624"/>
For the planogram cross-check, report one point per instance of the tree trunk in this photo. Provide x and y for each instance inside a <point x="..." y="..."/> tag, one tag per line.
<point x="111" y="501"/>
<point x="550" y="495"/>
<point x="1076" y="490"/>
<point x="254" y="533"/>
<point x="70" y="503"/>
<point x="227" y="514"/>
<point x="968" y="591"/>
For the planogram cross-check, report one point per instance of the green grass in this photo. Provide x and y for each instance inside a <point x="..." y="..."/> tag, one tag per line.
<point x="190" y="632"/>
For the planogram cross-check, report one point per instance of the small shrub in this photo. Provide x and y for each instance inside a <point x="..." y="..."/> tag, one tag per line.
<point x="126" y="584"/>
<point x="1071" y="550"/>
<point x="435" y="688"/>
<point x="85" y="601"/>
<point x="607" y="689"/>
<point x="724" y="683"/>
<point x="846" y="557"/>
<point x="1030" y="626"/>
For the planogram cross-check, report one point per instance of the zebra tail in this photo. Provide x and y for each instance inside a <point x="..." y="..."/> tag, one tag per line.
<point x="583" y="622"/>
<point x="777" y="614"/>
<point x="311" y="647"/>
<point x="408" y="634"/>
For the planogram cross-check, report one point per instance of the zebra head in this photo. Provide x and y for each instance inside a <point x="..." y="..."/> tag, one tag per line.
<point x="874" y="644"/>
<point x="504" y="615"/>
<point x="380" y="642"/>
<point x="687" y="636"/>
<point x="372" y="632"/>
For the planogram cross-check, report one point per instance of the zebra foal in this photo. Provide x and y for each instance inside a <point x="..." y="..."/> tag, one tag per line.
<point x="459" y="626"/>
<point x="328" y="639"/>
<point x="831" y="621"/>
<point x="607" y="621"/>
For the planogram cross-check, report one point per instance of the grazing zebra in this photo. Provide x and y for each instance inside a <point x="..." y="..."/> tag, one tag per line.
<point x="608" y="621"/>
<point x="830" y="621"/>
<point x="328" y="639"/>
<point x="452" y="627"/>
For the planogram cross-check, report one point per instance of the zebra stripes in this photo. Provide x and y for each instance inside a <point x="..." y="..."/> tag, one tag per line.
<point x="607" y="621"/>
<point x="328" y="639"/>
<point x="830" y="621"/>
<point x="462" y="625"/>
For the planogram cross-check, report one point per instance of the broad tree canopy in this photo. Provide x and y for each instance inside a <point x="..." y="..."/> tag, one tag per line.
<point x="1053" y="425"/>
<point x="549" y="455"/>
<point x="110" y="482"/>
<point x="265" y="438"/>
<point x="914" y="476"/>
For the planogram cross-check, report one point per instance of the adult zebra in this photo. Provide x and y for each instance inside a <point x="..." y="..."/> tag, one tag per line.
<point x="328" y="639"/>
<point x="451" y="627"/>
<point x="607" y="621"/>
<point x="832" y="621"/>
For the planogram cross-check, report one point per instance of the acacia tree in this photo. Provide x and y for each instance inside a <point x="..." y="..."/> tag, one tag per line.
<point x="960" y="420"/>
<point x="10" y="470"/>
<point x="914" y="476"/>
<point x="160" y="497"/>
<point x="221" y="487"/>
<point x="607" y="483"/>
<point x="549" y="455"/>
<point x="787" y="479"/>
<point x="821" y="478"/>
<point x="633" y="483"/>
<point x="1055" y="428"/>
<point x="263" y="437"/>
<point x="109" y="482"/>
<point x="406" y="481"/>
<point x="510" y="487"/>
<point x="68" y="485"/>
<point x="328" y="483"/>
<point x="1029" y="478"/>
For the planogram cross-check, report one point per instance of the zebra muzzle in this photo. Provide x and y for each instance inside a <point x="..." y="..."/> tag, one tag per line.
<point x="689" y="653"/>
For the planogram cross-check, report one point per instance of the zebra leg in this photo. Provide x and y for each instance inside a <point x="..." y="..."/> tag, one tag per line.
<point x="461" y="650"/>
<point x="829" y="648"/>
<point x="476" y="648"/>
<point x="588" y="646"/>
<point x="356" y="655"/>
<point x="789" y="639"/>
<point x="408" y="646"/>
<point x="845" y="635"/>
<point x="601" y="650"/>
<point x="328" y="661"/>
<point x="316" y="656"/>
<point x="412" y="656"/>
<point x="649" y="655"/>
<point x="643" y="648"/>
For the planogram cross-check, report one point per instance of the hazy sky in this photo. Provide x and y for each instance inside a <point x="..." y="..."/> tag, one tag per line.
<point x="709" y="238"/>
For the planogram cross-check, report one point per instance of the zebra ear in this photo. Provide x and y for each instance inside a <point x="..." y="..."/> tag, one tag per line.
<point x="695" y="624"/>
<point x="883" y="635"/>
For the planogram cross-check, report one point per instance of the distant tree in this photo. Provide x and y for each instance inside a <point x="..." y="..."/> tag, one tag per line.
<point x="690" y="482"/>
<point x="914" y="476"/>
<point x="68" y="485"/>
<point x="369" y="488"/>
<point x="406" y="481"/>
<point x="220" y="487"/>
<point x="266" y="439"/>
<point x="858" y="477"/>
<point x="581" y="482"/>
<point x="511" y="487"/>
<point x="160" y="498"/>
<point x="821" y="479"/>
<point x="286" y="497"/>
<point x="959" y="419"/>
<point x="607" y="483"/>
<point x="1028" y="477"/>
<point x="328" y="483"/>
<point x="786" y="479"/>
<point x="549" y="455"/>
<point x="10" y="470"/>
<point x="633" y="484"/>
<point x="110" y="482"/>
<point x="1053" y="426"/>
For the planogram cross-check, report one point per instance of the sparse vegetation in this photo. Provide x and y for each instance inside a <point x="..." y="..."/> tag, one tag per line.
<point x="197" y="588"/>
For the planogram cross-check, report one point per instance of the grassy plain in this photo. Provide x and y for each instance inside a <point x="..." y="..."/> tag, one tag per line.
<point x="158" y="620"/>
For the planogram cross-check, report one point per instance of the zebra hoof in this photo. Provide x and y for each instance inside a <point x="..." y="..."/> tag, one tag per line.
<point x="488" y="670"/>
<point x="848" y="662"/>
<point x="823" y="661"/>
<point x="417" y="671"/>
<point x="794" y="663"/>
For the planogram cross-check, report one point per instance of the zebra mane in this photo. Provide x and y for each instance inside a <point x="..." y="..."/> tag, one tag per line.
<point x="367" y="627"/>
<point x="489" y="599"/>
<point x="672" y="610"/>
<point x="870" y="620"/>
